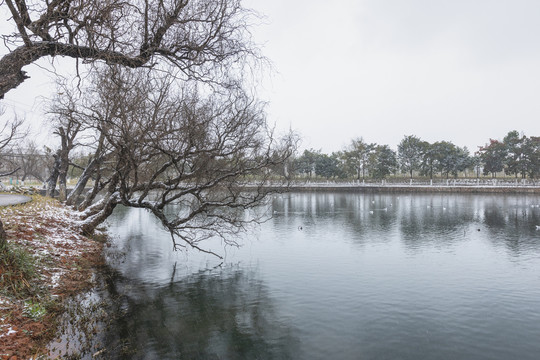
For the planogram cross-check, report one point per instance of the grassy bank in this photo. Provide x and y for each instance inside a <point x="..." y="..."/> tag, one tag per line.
<point x="46" y="261"/>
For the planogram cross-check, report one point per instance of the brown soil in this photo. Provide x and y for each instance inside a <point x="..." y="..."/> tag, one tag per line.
<point x="64" y="264"/>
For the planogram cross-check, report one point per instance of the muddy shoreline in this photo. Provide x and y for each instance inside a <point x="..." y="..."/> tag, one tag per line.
<point x="46" y="264"/>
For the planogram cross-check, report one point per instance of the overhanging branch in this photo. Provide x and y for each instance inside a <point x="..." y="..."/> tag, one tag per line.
<point x="11" y="172"/>
<point x="12" y="75"/>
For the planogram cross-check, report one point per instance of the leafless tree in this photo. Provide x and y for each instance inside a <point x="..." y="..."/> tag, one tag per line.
<point x="69" y="128"/>
<point x="10" y="133"/>
<point x="31" y="161"/>
<point x="202" y="39"/>
<point x="91" y="170"/>
<point x="180" y="130"/>
<point x="208" y="154"/>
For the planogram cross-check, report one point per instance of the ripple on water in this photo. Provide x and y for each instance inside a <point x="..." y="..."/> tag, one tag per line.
<point x="413" y="282"/>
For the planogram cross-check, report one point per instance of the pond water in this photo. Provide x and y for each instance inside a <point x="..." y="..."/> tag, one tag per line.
<point x="337" y="276"/>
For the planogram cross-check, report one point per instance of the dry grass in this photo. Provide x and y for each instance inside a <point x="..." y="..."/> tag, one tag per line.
<point x="46" y="261"/>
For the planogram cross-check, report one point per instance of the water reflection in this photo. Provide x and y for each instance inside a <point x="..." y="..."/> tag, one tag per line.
<point x="337" y="275"/>
<point x="420" y="219"/>
<point x="219" y="314"/>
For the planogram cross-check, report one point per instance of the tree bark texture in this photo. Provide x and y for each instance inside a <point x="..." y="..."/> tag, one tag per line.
<point x="106" y="208"/>
<point x="92" y="169"/>
<point x="12" y="75"/>
<point x="53" y="177"/>
<point x="3" y="236"/>
<point x="91" y="194"/>
<point x="62" y="175"/>
<point x="81" y="183"/>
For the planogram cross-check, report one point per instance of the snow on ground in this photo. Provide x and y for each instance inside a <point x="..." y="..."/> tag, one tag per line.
<point x="10" y="331"/>
<point x="49" y="232"/>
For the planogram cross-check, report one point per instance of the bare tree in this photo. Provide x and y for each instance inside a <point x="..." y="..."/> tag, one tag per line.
<point x="10" y="133"/>
<point x="31" y="161"/>
<point x="202" y="39"/>
<point x="92" y="170"/>
<point x="68" y="127"/>
<point x="192" y="138"/>
<point x="183" y="146"/>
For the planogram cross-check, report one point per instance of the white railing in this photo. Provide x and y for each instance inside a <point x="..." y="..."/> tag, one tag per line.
<point x="416" y="183"/>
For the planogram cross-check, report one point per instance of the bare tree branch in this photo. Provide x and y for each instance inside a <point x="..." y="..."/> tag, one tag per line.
<point x="10" y="172"/>
<point x="169" y="146"/>
<point x="203" y="39"/>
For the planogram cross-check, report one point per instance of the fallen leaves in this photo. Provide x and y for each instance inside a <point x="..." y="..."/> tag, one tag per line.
<point x="64" y="262"/>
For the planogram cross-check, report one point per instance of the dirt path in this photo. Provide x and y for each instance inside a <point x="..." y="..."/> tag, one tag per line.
<point x="6" y="199"/>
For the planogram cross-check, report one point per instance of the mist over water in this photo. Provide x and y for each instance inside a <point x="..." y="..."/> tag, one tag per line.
<point x="341" y="276"/>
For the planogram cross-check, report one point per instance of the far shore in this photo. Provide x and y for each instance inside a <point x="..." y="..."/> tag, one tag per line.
<point x="406" y="188"/>
<point x="462" y="186"/>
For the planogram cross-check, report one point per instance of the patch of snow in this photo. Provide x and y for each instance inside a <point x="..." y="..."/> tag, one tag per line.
<point x="4" y="301"/>
<point x="55" y="278"/>
<point x="9" y="332"/>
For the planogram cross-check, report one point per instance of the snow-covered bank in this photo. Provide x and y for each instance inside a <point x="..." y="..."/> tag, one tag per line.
<point x="61" y="261"/>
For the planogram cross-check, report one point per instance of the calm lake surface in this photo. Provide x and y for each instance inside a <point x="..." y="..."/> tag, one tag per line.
<point x="337" y="276"/>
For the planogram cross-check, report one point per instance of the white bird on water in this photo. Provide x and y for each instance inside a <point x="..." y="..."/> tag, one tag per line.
<point x="537" y="227"/>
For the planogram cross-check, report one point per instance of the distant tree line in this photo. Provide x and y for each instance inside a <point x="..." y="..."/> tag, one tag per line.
<point x="516" y="155"/>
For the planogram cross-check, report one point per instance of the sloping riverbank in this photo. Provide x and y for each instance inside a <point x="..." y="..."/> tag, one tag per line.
<point x="46" y="261"/>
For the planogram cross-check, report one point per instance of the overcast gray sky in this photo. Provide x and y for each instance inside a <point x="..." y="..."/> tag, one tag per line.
<point x="461" y="71"/>
<point x="455" y="70"/>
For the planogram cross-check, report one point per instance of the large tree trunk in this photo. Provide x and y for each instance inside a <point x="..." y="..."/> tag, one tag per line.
<point x="83" y="180"/>
<point x="53" y="177"/>
<point x="62" y="187"/>
<point x="62" y="174"/>
<point x="100" y="212"/>
<point x="91" y="195"/>
<point x="79" y="187"/>
<point x="111" y="195"/>
<point x="3" y="236"/>
<point x="88" y="172"/>
<point x="12" y="75"/>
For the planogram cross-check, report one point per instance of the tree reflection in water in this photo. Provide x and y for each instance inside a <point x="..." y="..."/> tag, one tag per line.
<point x="219" y="314"/>
<point x="425" y="270"/>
